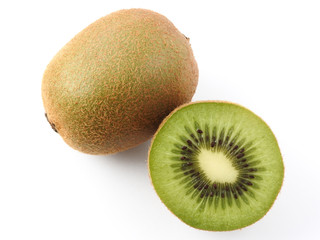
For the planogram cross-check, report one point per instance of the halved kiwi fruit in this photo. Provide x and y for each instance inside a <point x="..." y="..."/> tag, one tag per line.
<point x="216" y="165"/>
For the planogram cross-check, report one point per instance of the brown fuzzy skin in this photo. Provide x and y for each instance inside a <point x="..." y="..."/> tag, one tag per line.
<point x="161" y="125"/>
<point x="110" y="87"/>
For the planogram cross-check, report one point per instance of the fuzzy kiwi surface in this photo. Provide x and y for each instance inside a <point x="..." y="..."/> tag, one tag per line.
<point x="109" y="88"/>
<point x="216" y="165"/>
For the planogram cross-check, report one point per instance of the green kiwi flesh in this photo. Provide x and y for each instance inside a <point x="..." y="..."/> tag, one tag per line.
<point x="216" y="165"/>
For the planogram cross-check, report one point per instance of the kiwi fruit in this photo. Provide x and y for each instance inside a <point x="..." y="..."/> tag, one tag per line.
<point x="216" y="165"/>
<point x="109" y="88"/>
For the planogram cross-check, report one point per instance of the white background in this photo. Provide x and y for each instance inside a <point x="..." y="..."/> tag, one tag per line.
<point x="264" y="55"/>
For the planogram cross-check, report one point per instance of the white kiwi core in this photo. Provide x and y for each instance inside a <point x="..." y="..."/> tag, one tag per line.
<point x="217" y="166"/>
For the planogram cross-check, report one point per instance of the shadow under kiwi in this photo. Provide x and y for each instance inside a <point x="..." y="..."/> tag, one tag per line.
<point x="138" y="154"/>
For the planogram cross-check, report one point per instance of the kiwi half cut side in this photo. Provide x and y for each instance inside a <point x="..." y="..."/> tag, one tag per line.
<point x="216" y="165"/>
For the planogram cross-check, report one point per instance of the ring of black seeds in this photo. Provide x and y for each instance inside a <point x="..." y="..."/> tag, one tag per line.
<point x="234" y="149"/>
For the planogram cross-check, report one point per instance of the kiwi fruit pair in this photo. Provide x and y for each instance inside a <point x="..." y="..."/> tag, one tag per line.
<point x="215" y="165"/>
<point x="109" y="88"/>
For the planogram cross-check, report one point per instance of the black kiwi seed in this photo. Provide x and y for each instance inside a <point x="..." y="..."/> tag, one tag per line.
<point x="188" y="172"/>
<point x="195" y="174"/>
<point x="194" y="138"/>
<point x="243" y="188"/>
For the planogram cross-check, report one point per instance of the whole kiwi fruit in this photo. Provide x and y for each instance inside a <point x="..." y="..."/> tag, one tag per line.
<point x="216" y="165"/>
<point x="109" y="88"/>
